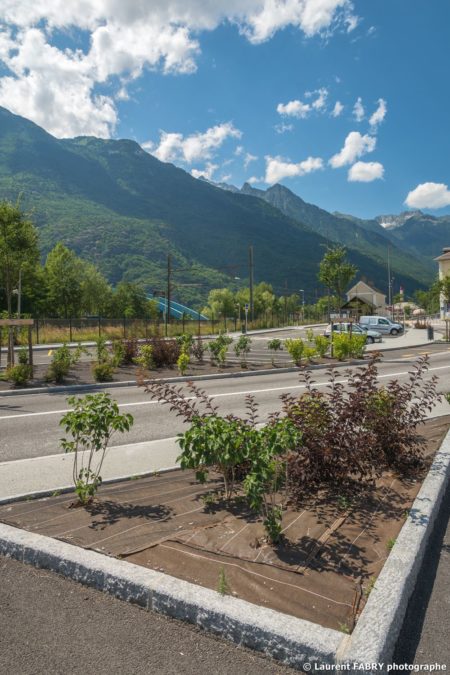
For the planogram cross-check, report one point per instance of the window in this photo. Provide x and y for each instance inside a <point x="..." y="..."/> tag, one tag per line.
<point x="384" y="322"/>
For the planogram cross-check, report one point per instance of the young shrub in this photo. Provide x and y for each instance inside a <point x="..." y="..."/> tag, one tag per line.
<point x="144" y="359"/>
<point x="91" y="424"/>
<point x="165" y="352"/>
<point x="102" y="371"/>
<point x="198" y="349"/>
<point x="218" y="349"/>
<point x="310" y="335"/>
<point x="268" y="472"/>
<point x="214" y="442"/>
<point x="131" y="347"/>
<point x="358" y="346"/>
<point x="341" y="346"/>
<point x="395" y="411"/>
<point x="275" y="346"/>
<point x="183" y="363"/>
<point x="211" y="441"/>
<point x="63" y="359"/>
<point x="309" y="353"/>
<point x="23" y="356"/>
<point x="185" y="341"/>
<point x="322" y="345"/>
<point x="19" y="374"/>
<point x="102" y="350"/>
<point x="295" y="349"/>
<point x="242" y="348"/>
<point x="118" y="353"/>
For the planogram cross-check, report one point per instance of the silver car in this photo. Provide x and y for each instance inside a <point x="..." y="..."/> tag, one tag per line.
<point x="381" y="324"/>
<point x="344" y="327"/>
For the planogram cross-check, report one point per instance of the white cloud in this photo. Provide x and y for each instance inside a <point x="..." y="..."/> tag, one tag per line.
<point x="429" y="196"/>
<point x="239" y="150"/>
<point x="248" y="159"/>
<point x="365" y="172"/>
<point x="311" y="16"/>
<point x="379" y="114"/>
<point x="199" y="146"/>
<point x="283" y="128"/>
<point x="355" y="146"/>
<point x="337" y="110"/>
<point x="278" y="168"/>
<point x="207" y="172"/>
<point x="254" y="179"/>
<point x="358" y="110"/>
<point x="294" y="109"/>
<point x="56" y="87"/>
<point x="321" y="99"/>
<point x="300" y="109"/>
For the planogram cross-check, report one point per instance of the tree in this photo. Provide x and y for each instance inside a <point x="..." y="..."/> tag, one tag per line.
<point x="18" y="247"/>
<point x="64" y="276"/>
<point x="96" y="292"/>
<point x="130" y="301"/>
<point x="221" y="302"/>
<point x="444" y="286"/>
<point x="429" y="300"/>
<point x="335" y="272"/>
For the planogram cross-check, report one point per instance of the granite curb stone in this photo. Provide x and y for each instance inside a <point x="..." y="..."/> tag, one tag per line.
<point x="286" y="638"/>
<point x="376" y="632"/>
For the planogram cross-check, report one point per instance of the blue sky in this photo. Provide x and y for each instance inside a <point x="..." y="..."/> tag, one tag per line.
<point x="259" y="90"/>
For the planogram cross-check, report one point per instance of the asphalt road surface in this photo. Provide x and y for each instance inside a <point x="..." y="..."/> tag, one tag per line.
<point x="50" y="625"/>
<point x="29" y="423"/>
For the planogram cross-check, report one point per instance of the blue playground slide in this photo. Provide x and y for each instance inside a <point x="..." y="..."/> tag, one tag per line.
<point x="177" y="310"/>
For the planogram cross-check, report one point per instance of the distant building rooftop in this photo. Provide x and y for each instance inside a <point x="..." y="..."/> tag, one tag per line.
<point x="445" y="254"/>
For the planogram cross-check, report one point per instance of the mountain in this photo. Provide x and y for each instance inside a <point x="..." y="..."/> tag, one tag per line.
<point x="363" y="236"/>
<point x="391" y="222"/>
<point x="123" y="209"/>
<point x="420" y="233"/>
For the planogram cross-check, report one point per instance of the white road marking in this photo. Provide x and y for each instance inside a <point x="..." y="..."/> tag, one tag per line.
<point x="220" y="395"/>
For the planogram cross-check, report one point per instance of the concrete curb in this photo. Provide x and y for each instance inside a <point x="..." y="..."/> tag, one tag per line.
<point x="65" y="489"/>
<point x="286" y="638"/>
<point x="375" y="635"/>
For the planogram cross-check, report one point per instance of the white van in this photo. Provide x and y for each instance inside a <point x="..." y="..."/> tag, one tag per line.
<point x="381" y="324"/>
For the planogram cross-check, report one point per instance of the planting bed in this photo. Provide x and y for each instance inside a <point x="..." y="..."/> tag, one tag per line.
<point x="334" y="546"/>
<point x="81" y="373"/>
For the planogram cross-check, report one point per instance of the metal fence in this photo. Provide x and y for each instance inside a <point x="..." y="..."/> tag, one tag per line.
<point x="50" y="331"/>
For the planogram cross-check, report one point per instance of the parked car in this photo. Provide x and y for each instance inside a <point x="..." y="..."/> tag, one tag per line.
<point x="344" y="327"/>
<point x="381" y="324"/>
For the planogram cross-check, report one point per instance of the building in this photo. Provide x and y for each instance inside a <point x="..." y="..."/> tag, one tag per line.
<point x="363" y="299"/>
<point x="444" y="271"/>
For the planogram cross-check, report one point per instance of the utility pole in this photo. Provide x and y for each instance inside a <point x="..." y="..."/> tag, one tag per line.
<point x="250" y="267"/>
<point x="19" y="294"/>
<point x="389" y="278"/>
<point x="169" y="275"/>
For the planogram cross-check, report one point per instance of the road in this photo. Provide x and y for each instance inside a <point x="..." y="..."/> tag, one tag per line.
<point x="29" y="424"/>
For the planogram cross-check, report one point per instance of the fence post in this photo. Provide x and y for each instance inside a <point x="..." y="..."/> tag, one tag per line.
<point x="37" y="331"/>
<point x="99" y="327"/>
<point x="124" y="327"/>
<point x="70" y="329"/>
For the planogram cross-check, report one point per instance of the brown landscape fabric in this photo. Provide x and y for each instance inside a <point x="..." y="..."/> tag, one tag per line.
<point x="332" y="551"/>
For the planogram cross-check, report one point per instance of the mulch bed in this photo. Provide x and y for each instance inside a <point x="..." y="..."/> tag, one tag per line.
<point x="81" y="373"/>
<point x="333" y="547"/>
